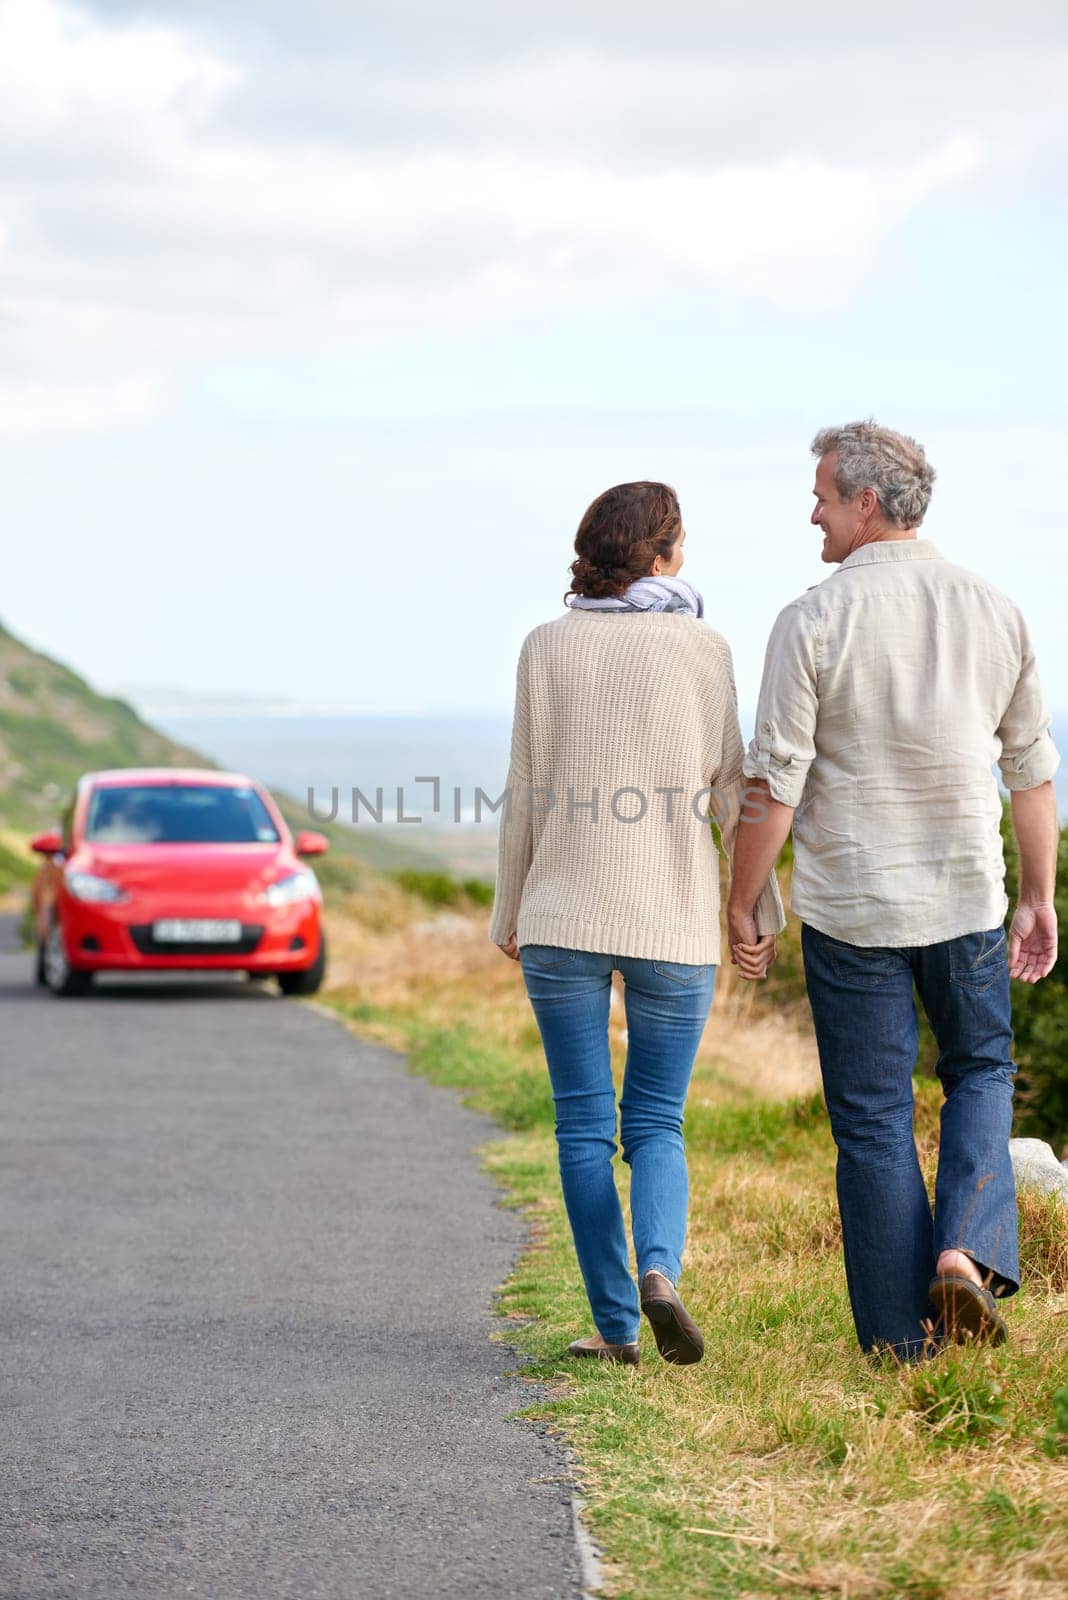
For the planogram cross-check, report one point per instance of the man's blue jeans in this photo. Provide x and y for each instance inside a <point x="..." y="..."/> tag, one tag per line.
<point x="666" y="1005"/>
<point x="866" y="1028"/>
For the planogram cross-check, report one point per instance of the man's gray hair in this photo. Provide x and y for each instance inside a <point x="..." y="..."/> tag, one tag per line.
<point x="870" y="457"/>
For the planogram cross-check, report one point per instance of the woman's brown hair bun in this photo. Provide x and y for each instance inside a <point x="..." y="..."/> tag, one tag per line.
<point x="621" y="535"/>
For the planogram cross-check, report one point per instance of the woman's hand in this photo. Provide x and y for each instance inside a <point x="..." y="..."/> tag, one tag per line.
<point x="753" y="960"/>
<point x="510" y="949"/>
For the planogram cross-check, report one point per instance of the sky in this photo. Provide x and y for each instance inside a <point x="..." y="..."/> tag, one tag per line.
<point x="321" y="324"/>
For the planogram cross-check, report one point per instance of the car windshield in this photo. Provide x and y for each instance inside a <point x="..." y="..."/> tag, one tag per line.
<point x="174" y="813"/>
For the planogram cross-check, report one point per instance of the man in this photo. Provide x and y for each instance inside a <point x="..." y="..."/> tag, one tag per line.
<point x="889" y="690"/>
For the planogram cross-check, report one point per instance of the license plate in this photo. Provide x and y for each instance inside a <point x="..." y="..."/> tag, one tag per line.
<point x="189" y="930"/>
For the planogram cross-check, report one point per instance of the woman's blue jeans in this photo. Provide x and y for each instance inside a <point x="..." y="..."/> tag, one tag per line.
<point x="866" y="1029"/>
<point x="666" y="1005"/>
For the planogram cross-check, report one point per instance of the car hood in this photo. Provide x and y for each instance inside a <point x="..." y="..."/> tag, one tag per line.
<point x="194" y="866"/>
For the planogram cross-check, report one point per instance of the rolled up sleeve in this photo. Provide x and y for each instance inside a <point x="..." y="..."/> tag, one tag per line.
<point x="1028" y="755"/>
<point x="783" y="746"/>
<point x="727" y="800"/>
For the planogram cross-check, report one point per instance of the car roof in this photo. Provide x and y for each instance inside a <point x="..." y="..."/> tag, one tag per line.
<point x="189" y="776"/>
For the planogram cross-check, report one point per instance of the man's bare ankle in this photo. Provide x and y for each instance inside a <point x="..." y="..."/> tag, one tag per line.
<point x="962" y="1266"/>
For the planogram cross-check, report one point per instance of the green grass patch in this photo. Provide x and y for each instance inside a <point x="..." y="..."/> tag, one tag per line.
<point x="762" y="1128"/>
<point x="513" y="1090"/>
<point x="959" y="1404"/>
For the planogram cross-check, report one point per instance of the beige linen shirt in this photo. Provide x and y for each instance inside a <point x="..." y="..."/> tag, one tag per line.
<point x="889" y="692"/>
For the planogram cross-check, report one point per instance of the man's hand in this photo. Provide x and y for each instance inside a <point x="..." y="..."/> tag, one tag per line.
<point x="1032" y="942"/>
<point x="741" y="927"/>
<point x="1033" y="932"/>
<point x="510" y="949"/>
<point x="751" y="954"/>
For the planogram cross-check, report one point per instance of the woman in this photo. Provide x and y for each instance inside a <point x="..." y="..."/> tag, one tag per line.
<point x="625" y="740"/>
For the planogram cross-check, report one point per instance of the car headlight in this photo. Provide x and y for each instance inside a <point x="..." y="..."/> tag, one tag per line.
<point x="87" y="886"/>
<point x="302" y="885"/>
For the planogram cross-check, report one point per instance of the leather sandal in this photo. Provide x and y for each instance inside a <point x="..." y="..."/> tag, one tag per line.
<point x="593" y="1345"/>
<point x="678" y="1338"/>
<point x="969" y="1311"/>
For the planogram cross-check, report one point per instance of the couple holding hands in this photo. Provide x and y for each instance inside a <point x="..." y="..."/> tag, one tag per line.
<point x="889" y="692"/>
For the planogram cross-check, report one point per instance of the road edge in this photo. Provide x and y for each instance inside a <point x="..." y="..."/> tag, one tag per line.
<point x="591" y="1571"/>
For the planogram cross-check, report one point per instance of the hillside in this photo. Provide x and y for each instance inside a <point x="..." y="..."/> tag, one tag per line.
<point x="54" y="727"/>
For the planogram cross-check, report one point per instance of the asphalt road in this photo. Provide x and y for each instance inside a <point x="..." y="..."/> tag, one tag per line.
<point x="246" y="1277"/>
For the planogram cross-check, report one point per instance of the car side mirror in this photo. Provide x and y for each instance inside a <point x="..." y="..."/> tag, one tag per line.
<point x="49" y="843"/>
<point x="311" y="844"/>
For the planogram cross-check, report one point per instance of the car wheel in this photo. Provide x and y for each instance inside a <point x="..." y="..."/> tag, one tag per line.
<point x="308" y="981"/>
<point x="56" y="970"/>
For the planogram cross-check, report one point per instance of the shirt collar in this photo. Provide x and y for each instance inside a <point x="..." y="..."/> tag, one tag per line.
<point x="892" y="550"/>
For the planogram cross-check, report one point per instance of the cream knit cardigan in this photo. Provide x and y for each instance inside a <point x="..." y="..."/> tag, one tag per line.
<point x="614" y="709"/>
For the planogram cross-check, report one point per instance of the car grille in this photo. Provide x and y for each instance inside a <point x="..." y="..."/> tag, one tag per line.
<point x="251" y="934"/>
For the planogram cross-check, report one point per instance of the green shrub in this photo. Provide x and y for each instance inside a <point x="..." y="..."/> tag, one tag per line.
<point x="439" y="889"/>
<point x="15" y="870"/>
<point x="1040" y="1021"/>
<point x="436" y="888"/>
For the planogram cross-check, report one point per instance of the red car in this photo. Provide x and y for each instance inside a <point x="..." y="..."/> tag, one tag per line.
<point x="176" y="869"/>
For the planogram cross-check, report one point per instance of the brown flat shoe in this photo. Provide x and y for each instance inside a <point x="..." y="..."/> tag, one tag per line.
<point x="593" y="1345"/>
<point x="678" y="1338"/>
<point x="969" y="1312"/>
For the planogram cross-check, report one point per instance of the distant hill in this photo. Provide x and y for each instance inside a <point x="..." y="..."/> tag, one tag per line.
<point x="54" y="726"/>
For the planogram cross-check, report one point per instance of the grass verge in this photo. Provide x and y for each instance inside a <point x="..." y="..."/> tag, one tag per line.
<point x="785" y="1462"/>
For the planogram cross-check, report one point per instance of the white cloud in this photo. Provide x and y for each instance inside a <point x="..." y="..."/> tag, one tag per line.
<point x="40" y="407"/>
<point x="680" y="108"/>
<point x="138" y="231"/>
<point x="150" y="228"/>
<point x="60" y="69"/>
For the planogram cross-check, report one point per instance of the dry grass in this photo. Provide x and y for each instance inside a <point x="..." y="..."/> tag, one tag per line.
<point x="808" y="1468"/>
<point x="786" y="1462"/>
<point x="1044" y="1246"/>
<point x="386" y="950"/>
